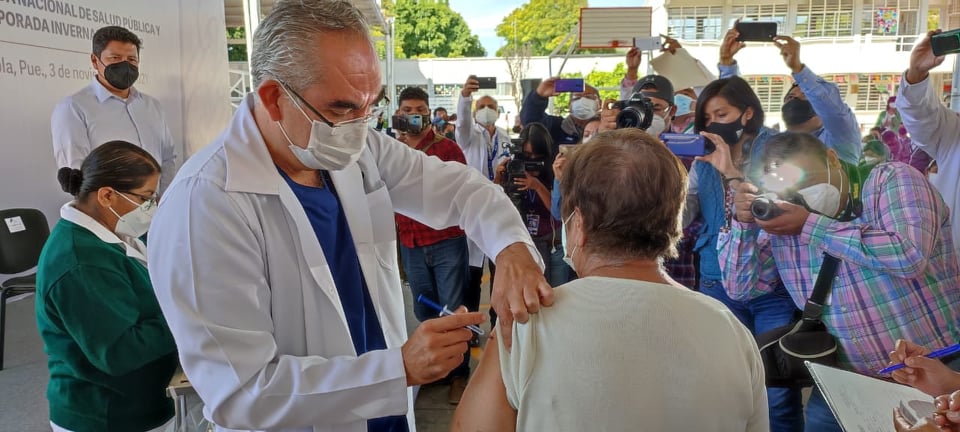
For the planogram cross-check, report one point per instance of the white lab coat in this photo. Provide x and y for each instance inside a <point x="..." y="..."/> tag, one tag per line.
<point x="249" y="297"/>
<point x="936" y="130"/>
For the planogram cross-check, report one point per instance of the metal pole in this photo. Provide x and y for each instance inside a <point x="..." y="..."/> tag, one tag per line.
<point x="251" y="19"/>
<point x="391" y="78"/>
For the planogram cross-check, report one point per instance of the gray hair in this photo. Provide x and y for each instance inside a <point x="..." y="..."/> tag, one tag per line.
<point x="283" y="43"/>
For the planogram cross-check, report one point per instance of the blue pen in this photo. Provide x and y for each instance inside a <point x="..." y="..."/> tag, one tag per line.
<point x="444" y="311"/>
<point x="936" y="354"/>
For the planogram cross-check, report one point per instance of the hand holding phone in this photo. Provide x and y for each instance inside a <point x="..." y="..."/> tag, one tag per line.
<point x="756" y="31"/>
<point x="924" y="57"/>
<point x="945" y="43"/>
<point x="487" y="82"/>
<point x="686" y="144"/>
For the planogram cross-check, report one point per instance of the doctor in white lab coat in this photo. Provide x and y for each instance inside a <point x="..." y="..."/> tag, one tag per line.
<point x="239" y="268"/>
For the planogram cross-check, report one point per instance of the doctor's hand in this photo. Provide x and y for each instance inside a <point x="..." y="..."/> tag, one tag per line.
<point x="519" y="288"/>
<point x="437" y="346"/>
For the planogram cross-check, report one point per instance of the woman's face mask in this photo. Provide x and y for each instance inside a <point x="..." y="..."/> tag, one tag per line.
<point x="136" y="222"/>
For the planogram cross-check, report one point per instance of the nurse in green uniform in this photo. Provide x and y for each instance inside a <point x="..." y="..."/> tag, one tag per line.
<point x="109" y="350"/>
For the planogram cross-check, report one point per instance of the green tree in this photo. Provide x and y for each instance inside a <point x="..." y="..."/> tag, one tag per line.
<point x="541" y="24"/>
<point x="607" y="81"/>
<point x="429" y="28"/>
<point x="380" y="43"/>
<point x="236" y="52"/>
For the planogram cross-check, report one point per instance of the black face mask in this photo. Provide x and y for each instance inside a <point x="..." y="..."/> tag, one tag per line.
<point x="730" y="132"/>
<point x="121" y="75"/>
<point x="797" y="111"/>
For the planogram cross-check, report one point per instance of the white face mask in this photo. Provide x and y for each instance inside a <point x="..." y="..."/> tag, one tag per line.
<point x="870" y="160"/>
<point x="568" y="258"/>
<point x="657" y="126"/>
<point x="487" y="116"/>
<point x="823" y="198"/>
<point x="137" y="222"/>
<point x="330" y="148"/>
<point x="584" y="108"/>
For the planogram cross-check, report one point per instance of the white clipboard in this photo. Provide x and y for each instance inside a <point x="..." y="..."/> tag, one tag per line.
<point x="862" y="403"/>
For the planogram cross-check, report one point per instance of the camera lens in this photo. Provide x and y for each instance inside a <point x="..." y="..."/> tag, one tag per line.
<point x="629" y="118"/>
<point x="763" y="208"/>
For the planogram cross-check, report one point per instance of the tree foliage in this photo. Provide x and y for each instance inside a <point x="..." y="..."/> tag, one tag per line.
<point x="429" y="28"/>
<point x="607" y="81"/>
<point x="236" y="53"/>
<point x="540" y="23"/>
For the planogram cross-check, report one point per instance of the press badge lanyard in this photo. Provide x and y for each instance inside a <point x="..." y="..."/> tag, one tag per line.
<point x="493" y="154"/>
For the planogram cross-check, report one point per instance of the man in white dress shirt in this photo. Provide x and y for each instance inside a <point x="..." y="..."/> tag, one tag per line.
<point x="274" y="254"/>
<point x="485" y="146"/>
<point x="111" y="109"/>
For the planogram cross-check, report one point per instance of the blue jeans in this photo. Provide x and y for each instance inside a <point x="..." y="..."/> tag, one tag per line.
<point x="819" y="416"/>
<point x="441" y="272"/>
<point x="760" y="315"/>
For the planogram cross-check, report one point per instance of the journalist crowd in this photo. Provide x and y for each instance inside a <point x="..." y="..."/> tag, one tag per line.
<point x="660" y="261"/>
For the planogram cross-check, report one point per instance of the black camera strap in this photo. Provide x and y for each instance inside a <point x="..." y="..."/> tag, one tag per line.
<point x="813" y="310"/>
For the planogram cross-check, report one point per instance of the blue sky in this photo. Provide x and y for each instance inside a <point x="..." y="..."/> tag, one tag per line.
<point x="484" y="16"/>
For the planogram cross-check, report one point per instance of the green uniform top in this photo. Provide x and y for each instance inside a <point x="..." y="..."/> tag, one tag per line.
<point x="110" y="352"/>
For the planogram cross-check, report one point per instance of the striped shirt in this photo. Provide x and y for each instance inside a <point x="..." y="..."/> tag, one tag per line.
<point x="898" y="276"/>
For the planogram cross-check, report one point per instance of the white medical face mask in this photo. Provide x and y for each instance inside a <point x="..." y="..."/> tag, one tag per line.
<point x="684" y="104"/>
<point x="584" y="108"/>
<point x="137" y="222"/>
<point x="487" y="116"/>
<point x="330" y="148"/>
<point x="657" y="126"/>
<point x="823" y="198"/>
<point x="870" y="160"/>
<point x="568" y="258"/>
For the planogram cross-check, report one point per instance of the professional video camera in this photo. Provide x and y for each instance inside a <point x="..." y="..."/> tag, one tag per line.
<point x="517" y="167"/>
<point x="635" y="112"/>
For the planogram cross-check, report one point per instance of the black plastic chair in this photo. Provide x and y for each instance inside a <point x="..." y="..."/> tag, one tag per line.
<point x="22" y="235"/>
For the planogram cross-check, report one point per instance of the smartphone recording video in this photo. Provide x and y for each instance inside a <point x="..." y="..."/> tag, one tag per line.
<point x="572" y="85"/>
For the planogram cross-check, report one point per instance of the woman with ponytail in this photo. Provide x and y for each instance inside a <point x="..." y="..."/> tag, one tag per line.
<point x="110" y="352"/>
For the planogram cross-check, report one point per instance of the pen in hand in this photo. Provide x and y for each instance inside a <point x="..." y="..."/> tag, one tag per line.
<point x="444" y="311"/>
<point x="935" y="354"/>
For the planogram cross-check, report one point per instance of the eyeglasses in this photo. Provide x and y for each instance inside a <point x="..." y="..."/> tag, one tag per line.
<point x="150" y="201"/>
<point x="368" y="118"/>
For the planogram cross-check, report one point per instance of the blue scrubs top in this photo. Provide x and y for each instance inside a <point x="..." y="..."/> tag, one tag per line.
<point x="329" y="223"/>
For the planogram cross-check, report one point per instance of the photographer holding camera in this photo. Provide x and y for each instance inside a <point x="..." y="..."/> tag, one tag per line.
<point x="584" y="107"/>
<point x="650" y="107"/>
<point x="524" y="178"/>
<point x="898" y="276"/>
<point x="812" y="105"/>
<point x="729" y="114"/>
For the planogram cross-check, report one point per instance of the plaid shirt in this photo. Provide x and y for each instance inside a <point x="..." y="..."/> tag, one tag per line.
<point x="412" y="233"/>
<point x="898" y="276"/>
